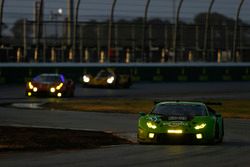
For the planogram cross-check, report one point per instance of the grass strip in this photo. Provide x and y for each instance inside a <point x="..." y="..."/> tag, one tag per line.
<point x="229" y="109"/>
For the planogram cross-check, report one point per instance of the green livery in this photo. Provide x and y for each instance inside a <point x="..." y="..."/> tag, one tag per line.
<point x="181" y="122"/>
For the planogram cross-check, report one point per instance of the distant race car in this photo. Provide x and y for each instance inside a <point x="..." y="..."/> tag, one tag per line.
<point x="107" y="78"/>
<point x="50" y="85"/>
<point x="181" y="122"/>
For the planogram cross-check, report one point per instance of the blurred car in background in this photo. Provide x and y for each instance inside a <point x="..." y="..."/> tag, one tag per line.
<point x="55" y="85"/>
<point x="181" y="122"/>
<point x="107" y="78"/>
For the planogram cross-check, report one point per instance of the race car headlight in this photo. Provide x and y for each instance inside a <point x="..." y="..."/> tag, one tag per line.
<point x="30" y="85"/>
<point x="110" y="80"/>
<point x="175" y="131"/>
<point x="151" y="135"/>
<point x="59" y="86"/>
<point x="59" y="94"/>
<point x="86" y="79"/>
<point x="151" y="125"/>
<point x="52" y="90"/>
<point x="200" y="126"/>
<point x="199" y="136"/>
<point x="35" y="89"/>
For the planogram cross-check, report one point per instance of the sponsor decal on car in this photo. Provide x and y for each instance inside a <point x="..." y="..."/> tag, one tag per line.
<point x="175" y="123"/>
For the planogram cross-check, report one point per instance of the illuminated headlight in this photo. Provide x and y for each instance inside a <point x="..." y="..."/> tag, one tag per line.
<point x="151" y="135"/>
<point x="59" y="94"/>
<point x="59" y="86"/>
<point x="110" y="80"/>
<point x="29" y="93"/>
<point x="30" y="85"/>
<point x="201" y="126"/>
<point x="175" y="131"/>
<point x="52" y="90"/>
<point x="199" y="136"/>
<point x="35" y="89"/>
<point x="151" y="125"/>
<point x="86" y="79"/>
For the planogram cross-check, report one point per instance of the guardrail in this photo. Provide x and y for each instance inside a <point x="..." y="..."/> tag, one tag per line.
<point x="153" y="72"/>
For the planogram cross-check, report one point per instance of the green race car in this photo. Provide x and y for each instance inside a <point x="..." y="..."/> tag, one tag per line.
<point x="181" y="122"/>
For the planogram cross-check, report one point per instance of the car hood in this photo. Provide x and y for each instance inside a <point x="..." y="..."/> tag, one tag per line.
<point x="159" y="118"/>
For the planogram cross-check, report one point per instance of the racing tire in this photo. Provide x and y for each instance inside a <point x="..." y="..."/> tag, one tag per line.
<point x="220" y="140"/>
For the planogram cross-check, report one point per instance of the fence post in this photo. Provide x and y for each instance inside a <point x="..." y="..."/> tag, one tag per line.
<point x="53" y="55"/>
<point x="204" y="52"/>
<point x="86" y="55"/>
<point x="81" y="44"/>
<point x="36" y="55"/>
<point x="110" y="29"/>
<point x="163" y="55"/>
<point x="197" y="47"/>
<point x="98" y="37"/>
<point x="24" y="39"/>
<point x="75" y="28"/>
<point x="176" y="29"/>
<point x="44" y="47"/>
<point x="70" y="20"/>
<point x="145" y="20"/>
<point x="38" y="12"/>
<point x="116" y="43"/>
<point x="18" y="55"/>
<point x="127" y="57"/>
<point x="150" y="46"/>
<point x="1" y="16"/>
<point x="212" y="43"/>
<point x="165" y="37"/>
<point x="235" y="38"/>
<point x="133" y="49"/>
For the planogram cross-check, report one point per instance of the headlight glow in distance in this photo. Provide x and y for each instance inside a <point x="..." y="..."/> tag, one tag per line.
<point x="86" y="79"/>
<point x="151" y="135"/>
<point x="52" y="90"/>
<point x="199" y="136"/>
<point x="200" y="126"/>
<point x="59" y="86"/>
<point x="151" y="125"/>
<point x="35" y="89"/>
<point x="110" y="80"/>
<point x="30" y="85"/>
<point x="59" y="94"/>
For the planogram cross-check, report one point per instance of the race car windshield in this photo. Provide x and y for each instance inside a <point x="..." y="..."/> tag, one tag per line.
<point x="49" y="78"/>
<point x="180" y="110"/>
<point x="103" y="74"/>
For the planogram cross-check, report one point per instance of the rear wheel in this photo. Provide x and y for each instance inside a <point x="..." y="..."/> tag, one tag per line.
<point x="221" y="135"/>
<point x="218" y="135"/>
<point x="214" y="139"/>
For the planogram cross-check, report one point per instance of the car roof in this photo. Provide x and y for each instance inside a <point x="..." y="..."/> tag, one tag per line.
<point x="181" y="102"/>
<point x="50" y="74"/>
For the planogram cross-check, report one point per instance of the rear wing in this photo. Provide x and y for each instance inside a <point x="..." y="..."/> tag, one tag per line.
<point x="159" y="101"/>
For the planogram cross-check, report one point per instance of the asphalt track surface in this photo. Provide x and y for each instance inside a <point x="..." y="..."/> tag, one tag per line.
<point x="234" y="151"/>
